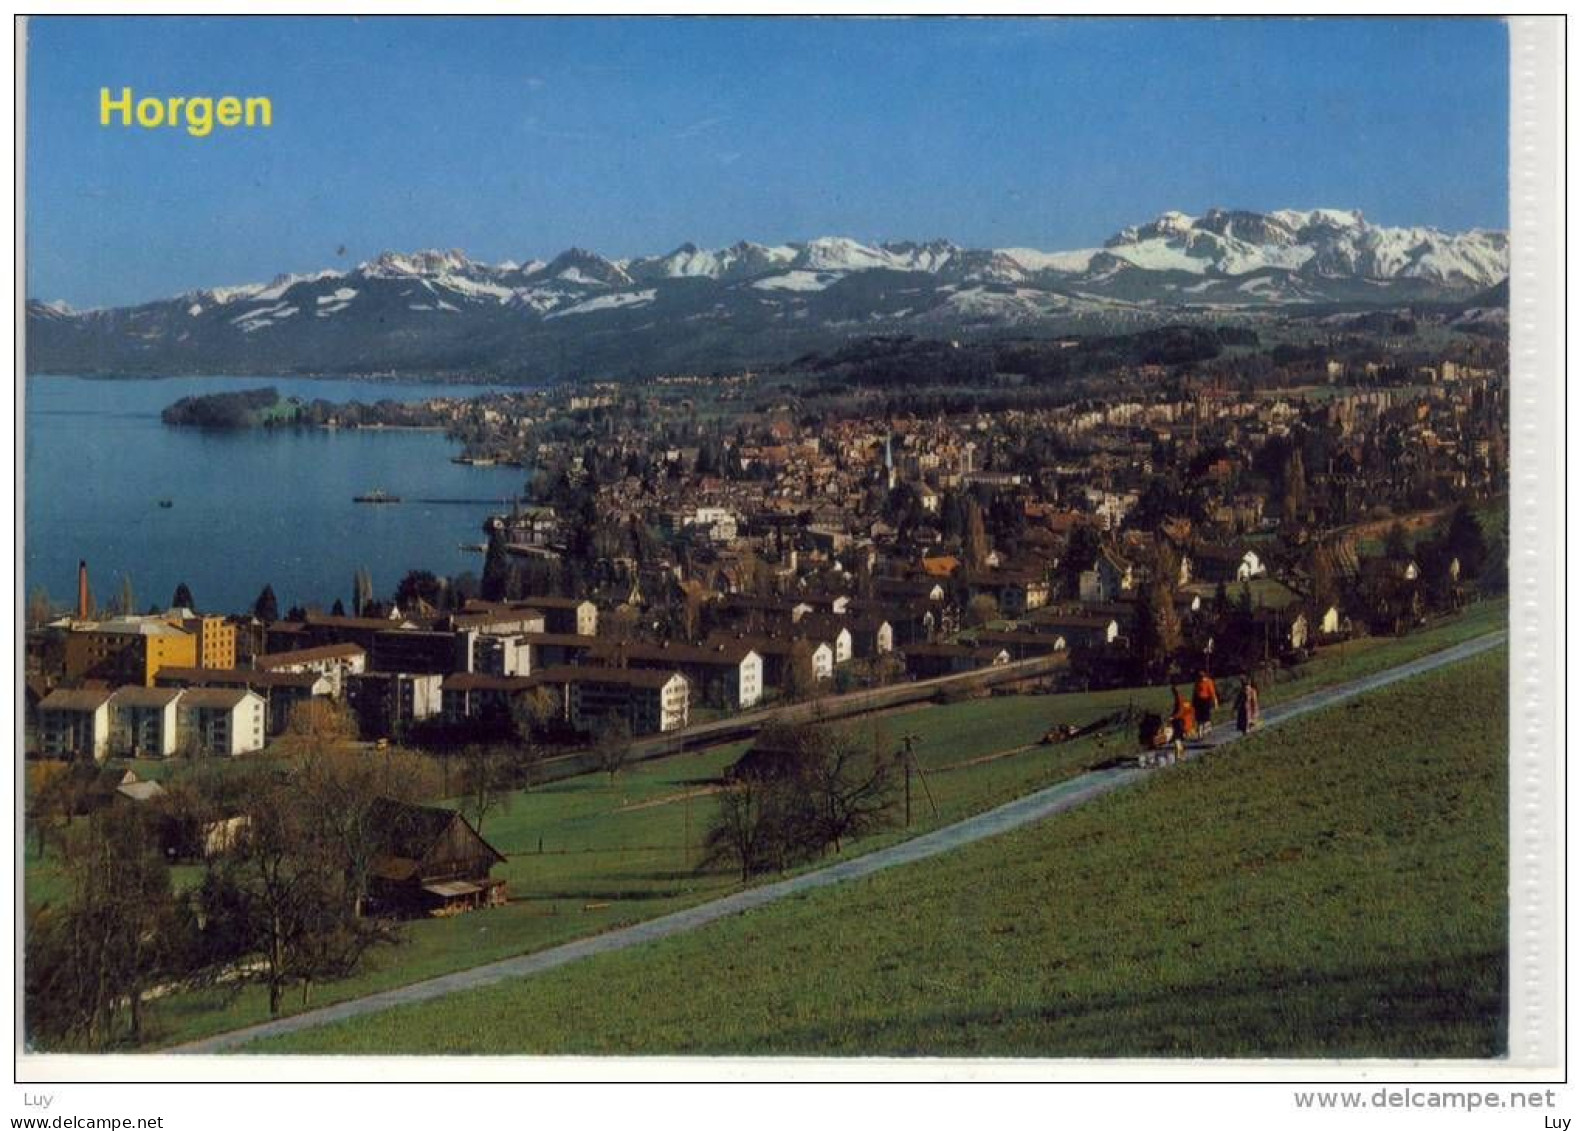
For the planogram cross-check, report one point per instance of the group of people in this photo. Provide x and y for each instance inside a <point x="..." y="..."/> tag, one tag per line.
<point x="1193" y="718"/>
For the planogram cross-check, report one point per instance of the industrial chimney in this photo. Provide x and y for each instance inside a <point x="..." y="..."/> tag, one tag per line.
<point x="83" y="609"/>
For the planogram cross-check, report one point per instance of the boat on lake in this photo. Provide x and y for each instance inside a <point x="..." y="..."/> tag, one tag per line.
<point x="166" y="504"/>
<point x="377" y="496"/>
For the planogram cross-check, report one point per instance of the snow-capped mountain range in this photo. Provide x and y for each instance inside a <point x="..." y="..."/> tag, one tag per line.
<point x="441" y="311"/>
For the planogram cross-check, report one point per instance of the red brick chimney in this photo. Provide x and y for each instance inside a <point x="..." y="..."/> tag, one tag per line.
<point x="82" y="591"/>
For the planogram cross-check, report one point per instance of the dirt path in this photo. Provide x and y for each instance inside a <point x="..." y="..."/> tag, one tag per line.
<point x="981" y="758"/>
<point x="1023" y="811"/>
<point x="669" y="799"/>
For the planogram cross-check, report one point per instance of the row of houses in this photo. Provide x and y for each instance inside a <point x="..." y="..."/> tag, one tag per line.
<point x="480" y="663"/>
<point x="141" y="722"/>
<point x="589" y="699"/>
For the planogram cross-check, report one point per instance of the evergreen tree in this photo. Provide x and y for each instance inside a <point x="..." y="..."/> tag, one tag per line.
<point x="1156" y="504"/>
<point x="266" y="608"/>
<point x="496" y="568"/>
<point x="1080" y="555"/>
<point x="419" y="585"/>
<point x="1325" y="590"/>
<point x="182" y="598"/>
<point x="953" y="516"/>
<point x="1395" y="545"/>
<point x="976" y="539"/>
<point x="1293" y="498"/>
<point x="1465" y="540"/>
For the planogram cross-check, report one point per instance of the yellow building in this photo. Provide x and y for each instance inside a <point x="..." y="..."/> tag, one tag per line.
<point x="130" y="650"/>
<point x="216" y="641"/>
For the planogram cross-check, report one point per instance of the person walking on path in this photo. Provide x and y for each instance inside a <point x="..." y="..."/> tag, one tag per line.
<point x="1246" y="707"/>
<point x="1183" y="717"/>
<point x="1204" y="698"/>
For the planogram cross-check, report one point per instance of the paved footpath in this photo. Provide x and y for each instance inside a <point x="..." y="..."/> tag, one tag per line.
<point x="1022" y="811"/>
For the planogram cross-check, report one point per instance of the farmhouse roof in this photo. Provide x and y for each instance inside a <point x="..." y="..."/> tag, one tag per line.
<point x="409" y="833"/>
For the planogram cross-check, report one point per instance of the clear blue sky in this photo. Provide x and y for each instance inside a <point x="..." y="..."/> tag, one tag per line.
<point x="515" y="138"/>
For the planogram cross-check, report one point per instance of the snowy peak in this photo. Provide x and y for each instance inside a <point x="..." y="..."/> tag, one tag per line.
<point x="581" y="267"/>
<point x="932" y="257"/>
<point x="839" y="253"/>
<point x="57" y="309"/>
<point x="1249" y="227"/>
<point x="1167" y="226"/>
<point x="1324" y="242"/>
<point x="394" y="264"/>
<point x="1223" y="258"/>
<point x="738" y="261"/>
<point x="1319" y="219"/>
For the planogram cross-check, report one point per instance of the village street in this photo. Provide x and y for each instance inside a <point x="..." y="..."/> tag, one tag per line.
<point x="1023" y="811"/>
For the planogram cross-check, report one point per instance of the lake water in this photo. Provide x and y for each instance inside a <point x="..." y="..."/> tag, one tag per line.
<point x="249" y="507"/>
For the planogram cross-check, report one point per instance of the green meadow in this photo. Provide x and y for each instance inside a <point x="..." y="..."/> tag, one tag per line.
<point x="1335" y="887"/>
<point x="587" y="854"/>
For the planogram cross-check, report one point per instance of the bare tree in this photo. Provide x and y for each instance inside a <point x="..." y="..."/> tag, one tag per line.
<point x="361" y="590"/>
<point x="755" y="827"/>
<point x="335" y="790"/>
<point x="692" y="615"/>
<point x="1156" y="636"/>
<point x="38" y="606"/>
<point x="522" y="763"/>
<point x="126" y="602"/>
<point x="612" y="746"/>
<point x="48" y="801"/>
<point x="91" y="959"/>
<point x="534" y="711"/>
<point x="620" y="625"/>
<point x="853" y="785"/>
<point x="523" y="759"/>
<point x="801" y="681"/>
<point x="483" y="785"/>
<point x="814" y="788"/>
<point x="184" y="811"/>
<point x="317" y="724"/>
<point x="189" y="744"/>
<point x="284" y="894"/>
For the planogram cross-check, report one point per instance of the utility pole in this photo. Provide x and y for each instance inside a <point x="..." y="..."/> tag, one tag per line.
<point x="907" y="759"/>
<point x="909" y="756"/>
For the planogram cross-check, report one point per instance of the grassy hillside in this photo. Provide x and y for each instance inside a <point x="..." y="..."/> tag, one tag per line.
<point x="1335" y="887"/>
<point x="586" y="855"/>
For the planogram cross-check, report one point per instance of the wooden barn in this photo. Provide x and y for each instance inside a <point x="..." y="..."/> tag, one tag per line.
<point x="783" y="751"/>
<point x="431" y="862"/>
